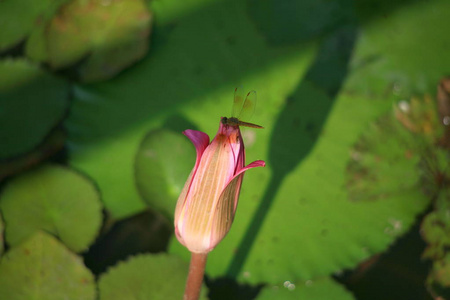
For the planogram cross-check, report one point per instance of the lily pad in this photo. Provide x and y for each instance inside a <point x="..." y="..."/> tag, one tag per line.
<point x="109" y="120"/>
<point x="19" y="17"/>
<point x="111" y="34"/>
<point x="32" y="103"/>
<point x="310" y="227"/>
<point x="42" y="268"/>
<point x="389" y="59"/>
<point x="147" y="276"/>
<point x="162" y="162"/>
<point x="311" y="290"/>
<point x="55" y="199"/>
<point x="297" y="21"/>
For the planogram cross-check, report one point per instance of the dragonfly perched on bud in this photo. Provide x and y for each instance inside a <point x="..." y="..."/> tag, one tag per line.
<point x="242" y="109"/>
<point x="207" y="204"/>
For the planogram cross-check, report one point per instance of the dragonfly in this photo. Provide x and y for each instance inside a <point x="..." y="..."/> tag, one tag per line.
<point x="242" y="109"/>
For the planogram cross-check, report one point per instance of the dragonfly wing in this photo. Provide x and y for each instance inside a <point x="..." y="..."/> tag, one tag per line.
<point x="248" y="108"/>
<point x="238" y="101"/>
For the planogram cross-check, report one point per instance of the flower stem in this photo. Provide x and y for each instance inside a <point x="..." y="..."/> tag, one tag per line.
<point x="195" y="276"/>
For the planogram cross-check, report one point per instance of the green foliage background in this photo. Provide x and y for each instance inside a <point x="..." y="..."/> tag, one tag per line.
<point x="112" y="84"/>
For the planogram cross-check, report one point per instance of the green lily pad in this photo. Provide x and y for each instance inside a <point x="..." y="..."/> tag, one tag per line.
<point x="112" y="34"/>
<point x="311" y="290"/>
<point x="293" y="21"/>
<point x="42" y="268"/>
<point x="313" y="221"/>
<point x="389" y="59"/>
<point x="32" y="103"/>
<point x="147" y="276"/>
<point x="162" y="162"/>
<point x="136" y="102"/>
<point x="311" y="226"/>
<point x="55" y="199"/>
<point x="19" y="17"/>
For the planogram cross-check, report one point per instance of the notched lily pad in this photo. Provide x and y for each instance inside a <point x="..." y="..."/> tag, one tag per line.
<point x="163" y="163"/>
<point x="43" y="268"/>
<point x="54" y="199"/>
<point x="144" y="277"/>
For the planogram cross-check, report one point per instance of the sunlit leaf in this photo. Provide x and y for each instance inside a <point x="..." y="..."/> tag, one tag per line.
<point x="42" y="268"/>
<point x="163" y="161"/>
<point x="54" y="199"/>
<point x="146" y="277"/>
<point x="388" y="58"/>
<point x="111" y="34"/>
<point x="311" y="227"/>
<point x="18" y="18"/>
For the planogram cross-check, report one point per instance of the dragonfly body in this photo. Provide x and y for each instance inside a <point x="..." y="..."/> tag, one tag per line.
<point x="236" y="122"/>
<point x="242" y="108"/>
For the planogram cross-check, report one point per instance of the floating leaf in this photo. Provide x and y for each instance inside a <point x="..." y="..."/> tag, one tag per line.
<point x="19" y="17"/>
<point x="388" y="59"/>
<point x="55" y="199"/>
<point x="142" y="98"/>
<point x="311" y="228"/>
<point x="146" y="277"/>
<point x="311" y="290"/>
<point x="298" y="21"/>
<point x="51" y="144"/>
<point x="42" y="268"/>
<point x="32" y="103"/>
<point x="163" y="163"/>
<point x="112" y="34"/>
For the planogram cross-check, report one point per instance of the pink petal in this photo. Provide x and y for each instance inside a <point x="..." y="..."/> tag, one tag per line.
<point x="256" y="163"/>
<point x="227" y="204"/>
<point x="200" y="141"/>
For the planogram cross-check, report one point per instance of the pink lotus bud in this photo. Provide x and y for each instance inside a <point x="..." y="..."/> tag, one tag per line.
<point x="208" y="202"/>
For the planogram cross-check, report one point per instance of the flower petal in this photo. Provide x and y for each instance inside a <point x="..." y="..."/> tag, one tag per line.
<point x="225" y="210"/>
<point x="227" y="204"/>
<point x="255" y="164"/>
<point x="200" y="141"/>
